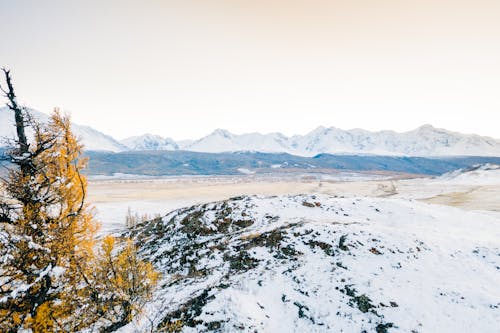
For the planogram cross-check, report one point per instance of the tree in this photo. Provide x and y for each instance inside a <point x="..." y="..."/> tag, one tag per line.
<point x="36" y="218"/>
<point x="124" y="281"/>
<point x="47" y="236"/>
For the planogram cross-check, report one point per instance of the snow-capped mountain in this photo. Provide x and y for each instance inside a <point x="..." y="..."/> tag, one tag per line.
<point x="91" y="138"/>
<point x="423" y="141"/>
<point x="223" y="141"/>
<point x="312" y="263"/>
<point x="150" y="142"/>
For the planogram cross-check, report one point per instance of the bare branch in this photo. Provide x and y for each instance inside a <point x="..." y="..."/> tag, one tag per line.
<point x="82" y="186"/>
<point x="18" y="113"/>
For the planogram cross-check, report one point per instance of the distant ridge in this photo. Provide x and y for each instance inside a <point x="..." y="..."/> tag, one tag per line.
<point x="423" y="141"/>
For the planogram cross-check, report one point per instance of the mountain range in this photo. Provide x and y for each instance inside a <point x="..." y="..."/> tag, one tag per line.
<point x="423" y="141"/>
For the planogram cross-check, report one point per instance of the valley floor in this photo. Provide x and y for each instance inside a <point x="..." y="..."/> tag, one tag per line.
<point x="112" y="197"/>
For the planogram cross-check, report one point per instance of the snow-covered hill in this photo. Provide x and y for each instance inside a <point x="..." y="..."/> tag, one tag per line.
<point x="91" y="138"/>
<point x="424" y="141"/>
<point x="150" y="142"/>
<point x="323" y="264"/>
<point x="482" y="174"/>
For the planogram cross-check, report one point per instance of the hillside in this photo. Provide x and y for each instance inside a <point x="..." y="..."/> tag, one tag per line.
<point x="168" y="163"/>
<point x="323" y="264"/>
<point x="175" y="163"/>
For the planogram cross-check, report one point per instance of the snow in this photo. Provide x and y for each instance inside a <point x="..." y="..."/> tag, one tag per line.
<point x="486" y="174"/>
<point x="245" y="171"/>
<point x="421" y="267"/>
<point x="57" y="271"/>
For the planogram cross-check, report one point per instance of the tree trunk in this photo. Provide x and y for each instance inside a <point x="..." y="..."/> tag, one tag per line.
<point x="18" y="112"/>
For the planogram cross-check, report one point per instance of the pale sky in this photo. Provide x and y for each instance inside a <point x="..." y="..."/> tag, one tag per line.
<point x="184" y="68"/>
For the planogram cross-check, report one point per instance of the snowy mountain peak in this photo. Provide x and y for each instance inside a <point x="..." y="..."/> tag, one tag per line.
<point x="224" y="141"/>
<point x="222" y="132"/>
<point x="426" y="128"/>
<point x="150" y="142"/>
<point x="218" y="134"/>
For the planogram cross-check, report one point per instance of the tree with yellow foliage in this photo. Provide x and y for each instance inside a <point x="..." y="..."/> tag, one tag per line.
<point x="124" y="282"/>
<point x="53" y="277"/>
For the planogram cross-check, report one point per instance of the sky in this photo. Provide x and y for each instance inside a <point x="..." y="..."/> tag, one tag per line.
<point x="183" y="68"/>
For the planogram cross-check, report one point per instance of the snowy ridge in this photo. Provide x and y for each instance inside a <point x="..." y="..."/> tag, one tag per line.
<point x="423" y="141"/>
<point x="91" y="138"/>
<point x="323" y="264"/>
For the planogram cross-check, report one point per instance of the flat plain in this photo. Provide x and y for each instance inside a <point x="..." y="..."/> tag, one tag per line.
<point x="112" y="197"/>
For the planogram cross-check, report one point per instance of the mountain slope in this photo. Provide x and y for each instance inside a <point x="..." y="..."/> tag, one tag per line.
<point x="91" y="138"/>
<point x="323" y="264"/>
